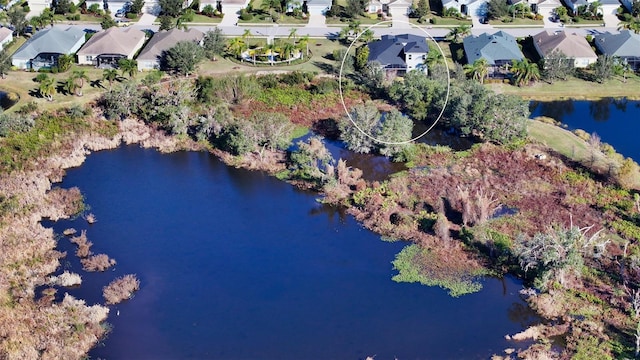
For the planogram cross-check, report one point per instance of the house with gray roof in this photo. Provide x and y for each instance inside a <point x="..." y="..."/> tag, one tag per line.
<point x="498" y="49"/>
<point x="399" y="52"/>
<point x="625" y="46"/>
<point x="107" y="47"/>
<point x="42" y="50"/>
<point x="572" y="45"/>
<point x="150" y="57"/>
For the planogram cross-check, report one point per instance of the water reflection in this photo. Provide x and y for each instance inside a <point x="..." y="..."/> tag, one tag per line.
<point x="554" y="109"/>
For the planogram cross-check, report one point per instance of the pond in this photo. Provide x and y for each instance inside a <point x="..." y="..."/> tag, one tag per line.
<point x="616" y="121"/>
<point x="7" y="100"/>
<point x="237" y="265"/>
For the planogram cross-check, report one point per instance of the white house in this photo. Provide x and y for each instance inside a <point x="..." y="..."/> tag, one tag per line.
<point x="6" y="36"/>
<point x="467" y="7"/>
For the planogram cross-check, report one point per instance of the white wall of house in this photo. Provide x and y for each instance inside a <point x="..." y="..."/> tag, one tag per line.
<point x="147" y="65"/>
<point x="6" y="40"/>
<point x="584" y="62"/>
<point x="20" y="63"/>
<point x="87" y="59"/>
<point x="413" y="60"/>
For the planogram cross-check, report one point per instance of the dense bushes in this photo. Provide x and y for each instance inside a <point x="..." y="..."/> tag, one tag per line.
<point x="120" y="289"/>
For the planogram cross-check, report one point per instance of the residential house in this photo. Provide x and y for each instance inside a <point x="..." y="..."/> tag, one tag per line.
<point x="400" y="53"/>
<point x="318" y="7"/>
<point x="107" y="47"/>
<point x="375" y="7"/>
<point x="43" y="49"/>
<point x="6" y="36"/>
<point x="150" y="57"/>
<point x="625" y="46"/>
<point x="36" y="7"/>
<point x="547" y="8"/>
<point x="400" y="9"/>
<point x="571" y="45"/>
<point x="499" y="49"/>
<point x="609" y="7"/>
<point x="467" y="7"/>
<point x="225" y="6"/>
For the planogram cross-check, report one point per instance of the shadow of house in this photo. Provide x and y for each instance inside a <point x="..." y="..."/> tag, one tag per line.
<point x="399" y="53"/>
<point x="151" y="55"/>
<point x="46" y="46"/>
<point x="107" y="47"/>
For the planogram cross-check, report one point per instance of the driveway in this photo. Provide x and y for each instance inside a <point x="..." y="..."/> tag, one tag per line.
<point x="547" y="14"/>
<point x="146" y="19"/>
<point x="316" y="21"/>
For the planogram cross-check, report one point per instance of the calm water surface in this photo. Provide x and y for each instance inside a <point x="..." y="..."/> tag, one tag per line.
<point x="237" y="265"/>
<point x="617" y="121"/>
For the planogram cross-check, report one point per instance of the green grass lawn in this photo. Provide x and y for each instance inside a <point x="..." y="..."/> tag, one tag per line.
<point x="442" y="21"/>
<point x="15" y="44"/>
<point x="265" y="18"/>
<point x="364" y="20"/>
<point x="203" y="19"/>
<point x="518" y="22"/>
<point x="574" y="88"/>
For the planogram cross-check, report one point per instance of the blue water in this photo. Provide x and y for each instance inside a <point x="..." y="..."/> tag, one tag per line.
<point x="616" y="121"/>
<point x="237" y="265"/>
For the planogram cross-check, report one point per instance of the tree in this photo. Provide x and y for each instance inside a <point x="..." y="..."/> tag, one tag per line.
<point x="603" y="68"/>
<point x="183" y="57"/>
<point x="293" y="34"/>
<point x="166" y="22"/>
<point x="458" y="33"/>
<point x="478" y="70"/>
<point x="62" y="6"/>
<point x="171" y="8"/>
<point x="421" y="97"/>
<point x="272" y="131"/>
<point x="246" y="35"/>
<point x="47" y="88"/>
<point x="107" y="22"/>
<point x="128" y="66"/>
<point x="556" y="65"/>
<point x="123" y="101"/>
<point x="558" y="254"/>
<point x="362" y="57"/>
<point x="136" y="6"/>
<point x="64" y="62"/>
<point x="497" y="9"/>
<point x="272" y="5"/>
<point x="287" y="50"/>
<point x="395" y="133"/>
<point x="17" y="19"/>
<point x="311" y="161"/>
<point x="237" y="46"/>
<point x="595" y="8"/>
<point x="367" y="36"/>
<point x="525" y="71"/>
<point x="561" y="11"/>
<point x="422" y="9"/>
<point x="303" y="44"/>
<point x="359" y="130"/>
<point x="70" y="86"/>
<point x="631" y="24"/>
<point x="434" y="57"/>
<point x="214" y="43"/>
<point x="80" y="76"/>
<point x="110" y="75"/>
<point x="622" y="68"/>
<point x="5" y="62"/>
<point x="355" y="8"/>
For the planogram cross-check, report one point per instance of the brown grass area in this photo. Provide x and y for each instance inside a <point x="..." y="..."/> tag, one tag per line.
<point x="121" y="289"/>
<point x="100" y="262"/>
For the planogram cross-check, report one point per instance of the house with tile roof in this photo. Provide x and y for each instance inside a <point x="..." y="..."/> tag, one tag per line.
<point x="42" y="50"/>
<point x="625" y="46"/>
<point x="107" y="47"/>
<point x="498" y="49"/>
<point x="401" y="53"/>
<point x="572" y="45"/>
<point x="150" y="57"/>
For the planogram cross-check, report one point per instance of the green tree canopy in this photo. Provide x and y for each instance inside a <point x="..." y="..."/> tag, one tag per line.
<point x="183" y="57"/>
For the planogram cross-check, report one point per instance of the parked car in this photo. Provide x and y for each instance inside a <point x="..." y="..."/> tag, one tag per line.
<point x="120" y="13"/>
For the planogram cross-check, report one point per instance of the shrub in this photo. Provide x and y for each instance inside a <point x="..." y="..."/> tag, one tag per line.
<point x="100" y="262"/>
<point x="120" y="289"/>
<point x="84" y="245"/>
<point x="131" y="16"/>
<point x="208" y="10"/>
<point x="66" y="279"/>
<point x="245" y="15"/>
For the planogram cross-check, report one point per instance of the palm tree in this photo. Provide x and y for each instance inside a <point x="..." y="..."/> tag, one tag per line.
<point x="367" y="36"/>
<point x="631" y="24"/>
<point x="80" y="76"/>
<point x="433" y="58"/>
<point x="293" y="34"/>
<point x="246" y="35"/>
<point x="286" y="51"/>
<point x="70" y="86"/>
<point x="47" y="88"/>
<point x="478" y="70"/>
<point x="110" y="75"/>
<point x="128" y="66"/>
<point x="303" y="44"/>
<point x="459" y="32"/>
<point x="595" y="7"/>
<point x="237" y="46"/>
<point x="525" y="71"/>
